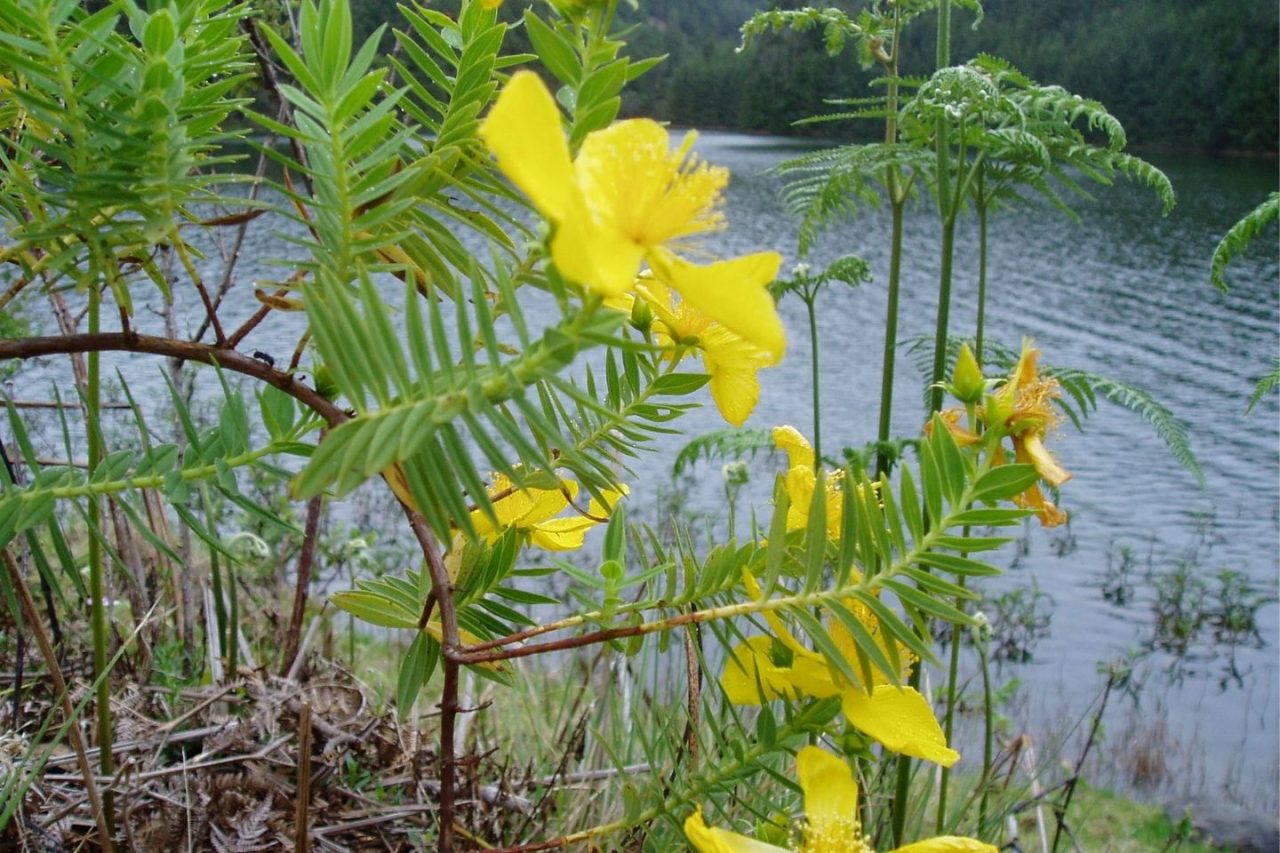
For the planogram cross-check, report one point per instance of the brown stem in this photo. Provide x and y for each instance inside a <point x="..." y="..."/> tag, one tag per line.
<point x="305" y="559"/>
<point x="60" y="686"/>
<point x="471" y="655"/>
<point x="442" y="592"/>
<point x="228" y="359"/>
<point x="301" y="837"/>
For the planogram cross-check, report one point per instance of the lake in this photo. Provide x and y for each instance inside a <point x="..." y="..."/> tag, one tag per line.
<point x="1124" y="293"/>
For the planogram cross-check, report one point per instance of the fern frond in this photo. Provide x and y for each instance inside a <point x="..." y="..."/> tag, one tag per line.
<point x="1240" y="236"/>
<point x="722" y="444"/>
<point x="1264" y="387"/>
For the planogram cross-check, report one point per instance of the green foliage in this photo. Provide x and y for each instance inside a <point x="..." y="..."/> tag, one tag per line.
<point x="1240" y="236"/>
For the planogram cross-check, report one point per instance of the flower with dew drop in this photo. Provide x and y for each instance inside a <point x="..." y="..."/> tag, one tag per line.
<point x="627" y="200"/>
<point x="832" y="823"/>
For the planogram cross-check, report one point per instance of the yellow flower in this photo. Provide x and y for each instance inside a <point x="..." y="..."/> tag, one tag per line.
<point x="1023" y="409"/>
<point x="832" y="823"/>
<point x="800" y="482"/>
<point x="731" y="361"/>
<point x="626" y="200"/>
<point x="534" y="511"/>
<point x="490" y="4"/>
<point x="766" y="668"/>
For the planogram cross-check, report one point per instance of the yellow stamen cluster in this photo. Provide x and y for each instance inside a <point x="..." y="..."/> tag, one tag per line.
<point x="635" y="183"/>
<point x="836" y="834"/>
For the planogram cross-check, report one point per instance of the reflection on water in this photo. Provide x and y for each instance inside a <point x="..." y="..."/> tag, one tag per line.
<point x="1124" y="293"/>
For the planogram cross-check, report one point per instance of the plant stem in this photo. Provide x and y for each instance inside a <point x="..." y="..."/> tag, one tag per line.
<point x="944" y="315"/>
<point x="988" y="734"/>
<point x="303" y="586"/>
<point x="97" y="612"/>
<point x="811" y="297"/>
<point x="100" y="814"/>
<point x="890" y="332"/>
<point x="981" y="205"/>
<point x="947" y="211"/>
<point x="897" y="203"/>
<point x="948" y="720"/>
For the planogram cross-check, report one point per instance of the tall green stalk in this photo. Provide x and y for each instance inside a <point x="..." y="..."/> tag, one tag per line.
<point x="810" y="296"/>
<point x="97" y="591"/>
<point x="897" y="204"/>
<point x="947" y="211"/>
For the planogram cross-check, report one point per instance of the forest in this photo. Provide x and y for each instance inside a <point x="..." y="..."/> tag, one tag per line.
<point x="1178" y="74"/>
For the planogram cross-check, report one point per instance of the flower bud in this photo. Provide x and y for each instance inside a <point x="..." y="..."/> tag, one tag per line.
<point x="967" y="382"/>
<point x="641" y="315"/>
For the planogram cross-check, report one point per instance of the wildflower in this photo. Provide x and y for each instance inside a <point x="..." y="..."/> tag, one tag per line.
<point x="731" y="361"/>
<point x="1022" y="408"/>
<point x="627" y="200"/>
<point x="832" y="824"/>
<point x="534" y="511"/>
<point x="774" y="667"/>
<point x="801" y="480"/>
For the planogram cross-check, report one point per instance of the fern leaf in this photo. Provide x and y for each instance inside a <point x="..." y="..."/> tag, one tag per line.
<point x="1240" y="235"/>
<point x="722" y="444"/>
<point x="1265" y="384"/>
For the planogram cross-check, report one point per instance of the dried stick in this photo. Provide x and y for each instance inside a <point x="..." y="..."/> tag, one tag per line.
<point x="301" y="837"/>
<point x="59" y="685"/>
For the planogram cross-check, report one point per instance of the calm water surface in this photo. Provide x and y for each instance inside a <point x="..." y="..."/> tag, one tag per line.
<point x="1124" y="293"/>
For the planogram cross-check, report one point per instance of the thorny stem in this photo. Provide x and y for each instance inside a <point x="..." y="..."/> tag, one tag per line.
<point x="60" y="687"/>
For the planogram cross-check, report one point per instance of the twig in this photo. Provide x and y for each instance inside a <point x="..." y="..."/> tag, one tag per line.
<point x="73" y="731"/>
<point x="303" y="586"/>
<point x="228" y="359"/>
<point x="54" y="404"/>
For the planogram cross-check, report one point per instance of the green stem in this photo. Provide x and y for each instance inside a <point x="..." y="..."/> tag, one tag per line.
<point x="890" y="333"/>
<point x="809" y="302"/>
<point x="948" y="720"/>
<point x="97" y="612"/>
<point x="943" y="176"/>
<point x="982" y="270"/>
<point x="897" y="203"/>
<point x="988" y="735"/>
<point x="944" y="315"/>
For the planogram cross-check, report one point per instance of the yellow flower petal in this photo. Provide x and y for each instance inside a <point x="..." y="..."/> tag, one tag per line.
<point x="732" y="292"/>
<point x="523" y="131"/>
<point x="732" y="364"/>
<point x="710" y="839"/>
<point x="948" y="844"/>
<point x="599" y="258"/>
<point x="561" y="534"/>
<point x="750" y="670"/>
<point x="789" y="440"/>
<point x="1029" y="448"/>
<point x="490" y="4"/>
<point x="830" y="792"/>
<point x="901" y="720"/>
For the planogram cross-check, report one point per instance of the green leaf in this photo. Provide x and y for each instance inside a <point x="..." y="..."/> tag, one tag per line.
<point x="374" y="609"/>
<point x="1004" y="482"/>
<point x="678" y="384"/>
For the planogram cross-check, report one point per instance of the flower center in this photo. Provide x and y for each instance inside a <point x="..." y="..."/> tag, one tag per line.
<point x="836" y="835"/>
<point x="632" y="181"/>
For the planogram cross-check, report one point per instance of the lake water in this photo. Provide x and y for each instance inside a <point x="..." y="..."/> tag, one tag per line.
<point x="1124" y="293"/>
